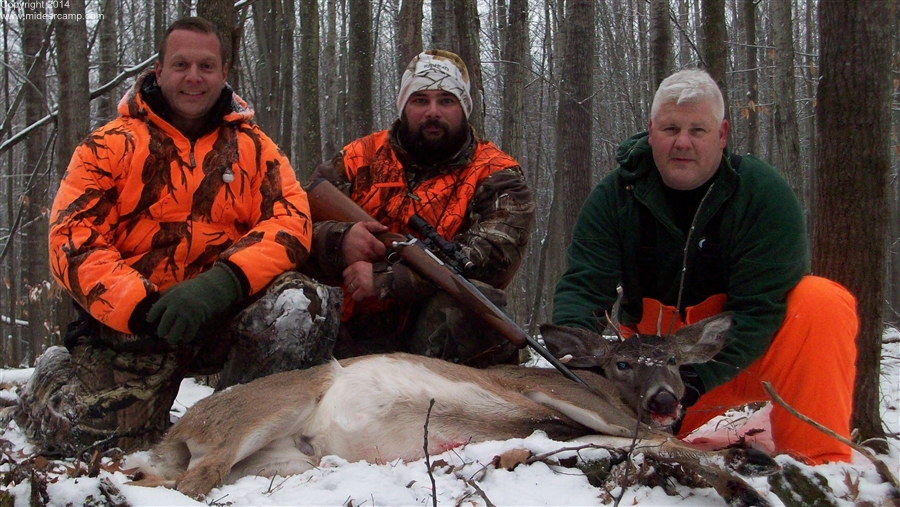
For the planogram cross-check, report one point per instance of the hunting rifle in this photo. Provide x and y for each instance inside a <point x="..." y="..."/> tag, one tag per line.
<point x="326" y="202"/>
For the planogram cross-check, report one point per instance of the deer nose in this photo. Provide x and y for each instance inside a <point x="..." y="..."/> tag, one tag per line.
<point x="663" y="402"/>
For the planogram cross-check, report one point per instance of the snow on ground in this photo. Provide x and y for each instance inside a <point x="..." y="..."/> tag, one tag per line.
<point x="463" y="476"/>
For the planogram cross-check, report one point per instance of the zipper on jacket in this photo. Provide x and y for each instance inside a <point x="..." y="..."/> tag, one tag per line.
<point x="191" y="156"/>
<point x="687" y="245"/>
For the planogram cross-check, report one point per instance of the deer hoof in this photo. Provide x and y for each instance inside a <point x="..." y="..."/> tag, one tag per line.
<point x="751" y="462"/>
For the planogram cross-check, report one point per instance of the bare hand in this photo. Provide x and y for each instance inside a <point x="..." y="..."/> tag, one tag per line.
<point x="359" y="244"/>
<point x="358" y="280"/>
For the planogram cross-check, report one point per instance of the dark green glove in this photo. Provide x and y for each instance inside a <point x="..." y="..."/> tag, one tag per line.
<point x="188" y="305"/>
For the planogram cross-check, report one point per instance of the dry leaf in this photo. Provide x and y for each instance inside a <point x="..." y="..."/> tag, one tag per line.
<point x="510" y="459"/>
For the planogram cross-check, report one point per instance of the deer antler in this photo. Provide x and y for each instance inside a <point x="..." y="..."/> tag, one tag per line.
<point x="615" y="328"/>
<point x="659" y="321"/>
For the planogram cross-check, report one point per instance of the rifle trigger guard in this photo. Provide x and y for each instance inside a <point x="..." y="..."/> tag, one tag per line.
<point x="393" y="257"/>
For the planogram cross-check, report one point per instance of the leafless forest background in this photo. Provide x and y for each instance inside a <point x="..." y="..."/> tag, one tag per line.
<point x="812" y="86"/>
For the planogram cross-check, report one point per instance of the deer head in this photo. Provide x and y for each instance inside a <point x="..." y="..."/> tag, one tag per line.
<point x="644" y="368"/>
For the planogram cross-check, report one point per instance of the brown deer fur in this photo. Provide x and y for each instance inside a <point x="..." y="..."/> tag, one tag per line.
<point x="373" y="408"/>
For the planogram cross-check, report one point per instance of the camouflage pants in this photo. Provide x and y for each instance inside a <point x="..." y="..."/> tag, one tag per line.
<point x="108" y="389"/>
<point x="438" y="327"/>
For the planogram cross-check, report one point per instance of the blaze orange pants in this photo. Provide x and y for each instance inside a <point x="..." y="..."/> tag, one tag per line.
<point x="811" y="364"/>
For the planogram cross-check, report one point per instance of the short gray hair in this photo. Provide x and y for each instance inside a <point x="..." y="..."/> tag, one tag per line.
<point x="689" y="86"/>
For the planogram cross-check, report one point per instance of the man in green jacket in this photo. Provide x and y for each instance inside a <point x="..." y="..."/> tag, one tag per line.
<point x="688" y="231"/>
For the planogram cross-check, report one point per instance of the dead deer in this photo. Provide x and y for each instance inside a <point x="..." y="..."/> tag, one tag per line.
<point x="645" y="370"/>
<point x="373" y="408"/>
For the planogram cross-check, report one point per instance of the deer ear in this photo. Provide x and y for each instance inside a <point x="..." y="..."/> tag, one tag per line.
<point x="702" y="340"/>
<point x="581" y="344"/>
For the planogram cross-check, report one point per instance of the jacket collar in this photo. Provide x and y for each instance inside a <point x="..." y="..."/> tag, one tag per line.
<point x="145" y="100"/>
<point x="638" y="170"/>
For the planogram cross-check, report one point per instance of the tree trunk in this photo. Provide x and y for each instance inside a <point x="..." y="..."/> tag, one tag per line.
<point x="222" y="14"/>
<point x="344" y="115"/>
<point x="108" y="66"/>
<point x="330" y="127"/>
<point x="660" y="43"/>
<point x="269" y="23"/>
<point x="444" y="34"/>
<point x="892" y="301"/>
<point x="572" y="180"/>
<point x="8" y="268"/>
<point x="685" y="49"/>
<point x="285" y="105"/>
<point x="640" y="67"/>
<point x="468" y="26"/>
<point x="535" y="282"/>
<point x="72" y="124"/>
<point x="714" y="45"/>
<point x="159" y="21"/>
<point x="748" y="15"/>
<point x="784" y="114"/>
<point x="409" y="32"/>
<point x="852" y="171"/>
<point x="811" y="73"/>
<point x="33" y="226"/>
<point x="516" y="64"/>
<point x="308" y="119"/>
<point x="360" y="73"/>
<point x="183" y="8"/>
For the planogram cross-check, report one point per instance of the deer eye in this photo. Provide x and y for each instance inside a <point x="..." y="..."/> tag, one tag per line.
<point x="672" y="361"/>
<point x="622" y="365"/>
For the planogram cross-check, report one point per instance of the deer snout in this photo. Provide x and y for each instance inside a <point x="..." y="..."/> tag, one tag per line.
<point x="663" y="405"/>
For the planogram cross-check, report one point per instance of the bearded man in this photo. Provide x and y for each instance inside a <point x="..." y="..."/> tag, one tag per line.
<point x="430" y="163"/>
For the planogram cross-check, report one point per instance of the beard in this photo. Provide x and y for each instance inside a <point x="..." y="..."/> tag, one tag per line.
<point x="431" y="151"/>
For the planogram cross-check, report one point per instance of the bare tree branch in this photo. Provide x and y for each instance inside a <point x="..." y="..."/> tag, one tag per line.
<point x="125" y="74"/>
<point x="11" y="113"/>
<point x="883" y="470"/>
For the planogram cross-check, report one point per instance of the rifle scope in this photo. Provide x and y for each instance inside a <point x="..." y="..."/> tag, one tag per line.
<point x="450" y="250"/>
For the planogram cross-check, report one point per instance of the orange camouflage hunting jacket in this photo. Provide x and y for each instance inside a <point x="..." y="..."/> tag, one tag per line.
<point x="142" y="208"/>
<point x="380" y="184"/>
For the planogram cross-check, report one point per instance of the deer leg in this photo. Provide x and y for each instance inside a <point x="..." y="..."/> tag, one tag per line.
<point x="279" y="457"/>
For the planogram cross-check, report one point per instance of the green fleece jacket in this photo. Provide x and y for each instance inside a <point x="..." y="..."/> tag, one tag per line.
<point x="764" y="253"/>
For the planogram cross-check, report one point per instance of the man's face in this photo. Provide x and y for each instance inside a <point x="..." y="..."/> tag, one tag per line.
<point x="687" y="143"/>
<point x="434" y="116"/>
<point x="192" y="74"/>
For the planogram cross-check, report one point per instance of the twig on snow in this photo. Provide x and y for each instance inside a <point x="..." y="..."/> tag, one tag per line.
<point x="428" y="457"/>
<point x="883" y="469"/>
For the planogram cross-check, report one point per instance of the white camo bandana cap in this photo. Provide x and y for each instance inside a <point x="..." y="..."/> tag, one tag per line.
<point x="436" y="69"/>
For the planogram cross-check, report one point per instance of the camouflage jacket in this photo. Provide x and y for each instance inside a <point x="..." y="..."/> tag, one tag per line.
<point x="479" y="199"/>
<point x="141" y="207"/>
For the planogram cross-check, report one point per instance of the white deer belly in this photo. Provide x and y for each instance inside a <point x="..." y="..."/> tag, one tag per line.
<point x="369" y="415"/>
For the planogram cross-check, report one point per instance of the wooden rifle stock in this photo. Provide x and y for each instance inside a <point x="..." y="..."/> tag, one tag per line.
<point x="326" y="202"/>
